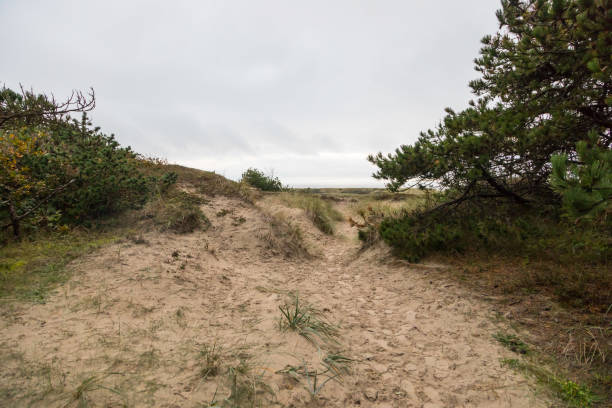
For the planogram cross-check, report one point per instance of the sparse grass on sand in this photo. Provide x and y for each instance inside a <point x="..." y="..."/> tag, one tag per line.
<point x="31" y="267"/>
<point x="211" y="358"/>
<point x="310" y="323"/>
<point x="241" y="381"/>
<point x="205" y="182"/>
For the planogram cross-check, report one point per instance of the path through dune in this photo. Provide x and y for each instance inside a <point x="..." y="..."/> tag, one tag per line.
<point x="138" y="325"/>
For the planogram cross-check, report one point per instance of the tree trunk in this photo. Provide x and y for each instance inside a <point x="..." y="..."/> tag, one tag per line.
<point x="497" y="186"/>
<point x="14" y="219"/>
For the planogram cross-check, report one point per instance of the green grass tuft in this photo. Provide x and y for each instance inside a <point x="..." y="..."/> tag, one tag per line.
<point x="512" y="342"/>
<point x="307" y="321"/>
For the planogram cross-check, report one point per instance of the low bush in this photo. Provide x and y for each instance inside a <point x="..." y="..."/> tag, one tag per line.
<point x="57" y="171"/>
<point x="258" y="179"/>
<point x="412" y="237"/>
<point x="572" y="259"/>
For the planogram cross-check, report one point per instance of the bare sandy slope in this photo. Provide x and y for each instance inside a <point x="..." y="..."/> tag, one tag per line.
<point x="133" y="325"/>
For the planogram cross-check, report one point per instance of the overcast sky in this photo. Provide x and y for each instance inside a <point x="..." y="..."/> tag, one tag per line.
<point x="304" y="88"/>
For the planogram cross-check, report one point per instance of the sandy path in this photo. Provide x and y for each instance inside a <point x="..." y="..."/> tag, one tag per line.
<point x="136" y="318"/>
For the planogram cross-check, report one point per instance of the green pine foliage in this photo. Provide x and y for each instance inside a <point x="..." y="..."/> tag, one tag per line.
<point x="545" y="85"/>
<point x="260" y="180"/>
<point x="537" y="138"/>
<point x="56" y="171"/>
<point x="586" y="187"/>
<point x="106" y="176"/>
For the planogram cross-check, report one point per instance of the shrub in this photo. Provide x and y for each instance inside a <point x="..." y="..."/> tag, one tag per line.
<point x="258" y="179"/>
<point x="537" y="233"/>
<point x="571" y="258"/>
<point x="106" y="175"/>
<point x="368" y="235"/>
<point x="67" y="172"/>
<point x="413" y="238"/>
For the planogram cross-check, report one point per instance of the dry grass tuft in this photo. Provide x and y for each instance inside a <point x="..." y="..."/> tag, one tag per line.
<point x="177" y="211"/>
<point x="322" y="213"/>
<point x="284" y="238"/>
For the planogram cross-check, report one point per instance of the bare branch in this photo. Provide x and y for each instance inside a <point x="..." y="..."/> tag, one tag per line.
<point x="44" y="107"/>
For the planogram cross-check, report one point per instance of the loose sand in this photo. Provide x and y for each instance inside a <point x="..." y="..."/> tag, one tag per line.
<point x="129" y="328"/>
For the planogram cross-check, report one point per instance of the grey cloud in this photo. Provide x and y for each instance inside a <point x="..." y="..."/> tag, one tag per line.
<point x="306" y="88"/>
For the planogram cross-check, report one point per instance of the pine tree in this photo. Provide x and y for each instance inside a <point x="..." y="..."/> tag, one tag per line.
<point x="545" y="86"/>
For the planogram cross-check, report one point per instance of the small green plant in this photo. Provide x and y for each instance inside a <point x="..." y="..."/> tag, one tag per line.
<point x="166" y="181"/>
<point x="510" y="362"/>
<point x="180" y="317"/>
<point x="512" y="342"/>
<point x="316" y="380"/>
<point x="576" y="395"/>
<point x="337" y="363"/>
<point x="307" y="321"/>
<point x="246" y="387"/>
